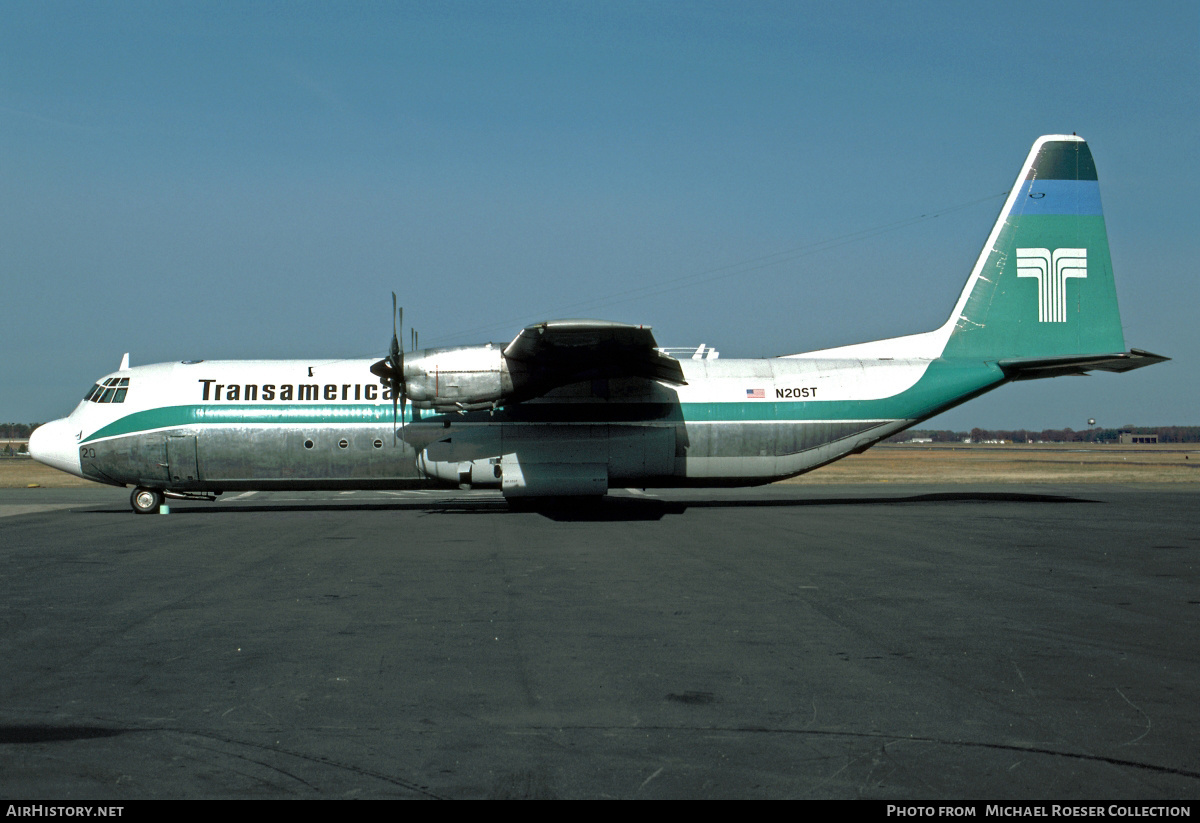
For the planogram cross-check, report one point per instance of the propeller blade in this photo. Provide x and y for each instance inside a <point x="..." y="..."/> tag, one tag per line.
<point x="395" y="434"/>
<point x="396" y="364"/>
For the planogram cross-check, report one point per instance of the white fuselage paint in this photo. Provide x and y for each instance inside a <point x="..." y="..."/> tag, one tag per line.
<point x="724" y="403"/>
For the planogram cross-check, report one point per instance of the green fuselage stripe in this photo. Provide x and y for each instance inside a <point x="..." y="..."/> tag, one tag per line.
<point x="944" y="384"/>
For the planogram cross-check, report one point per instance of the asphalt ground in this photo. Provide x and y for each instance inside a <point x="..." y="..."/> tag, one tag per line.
<point x="886" y="642"/>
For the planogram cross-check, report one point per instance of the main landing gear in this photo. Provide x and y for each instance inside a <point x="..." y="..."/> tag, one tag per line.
<point x="146" y="501"/>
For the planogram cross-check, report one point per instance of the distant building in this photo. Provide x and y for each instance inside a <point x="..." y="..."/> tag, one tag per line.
<point x="1129" y="438"/>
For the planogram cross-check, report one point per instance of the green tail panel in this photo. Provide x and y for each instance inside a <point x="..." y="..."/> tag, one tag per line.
<point x="1043" y="286"/>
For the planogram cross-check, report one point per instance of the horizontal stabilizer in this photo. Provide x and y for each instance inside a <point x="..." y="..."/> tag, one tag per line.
<point x="1030" y="368"/>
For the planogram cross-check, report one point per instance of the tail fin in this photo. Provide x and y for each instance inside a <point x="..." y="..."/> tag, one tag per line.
<point x="1040" y="301"/>
<point x="1043" y="285"/>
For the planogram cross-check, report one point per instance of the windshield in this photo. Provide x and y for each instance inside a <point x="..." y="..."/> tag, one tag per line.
<point x="112" y="390"/>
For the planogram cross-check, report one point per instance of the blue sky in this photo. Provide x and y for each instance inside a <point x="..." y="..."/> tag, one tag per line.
<point x="245" y="180"/>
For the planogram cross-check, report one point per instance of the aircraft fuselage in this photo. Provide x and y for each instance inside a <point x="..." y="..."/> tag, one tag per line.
<point x="263" y="425"/>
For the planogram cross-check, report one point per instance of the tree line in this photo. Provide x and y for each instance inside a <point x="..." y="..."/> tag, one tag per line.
<point x="1166" y="434"/>
<point x="16" y="431"/>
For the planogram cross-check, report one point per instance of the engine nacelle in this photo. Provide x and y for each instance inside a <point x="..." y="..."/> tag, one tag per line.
<point x="463" y="378"/>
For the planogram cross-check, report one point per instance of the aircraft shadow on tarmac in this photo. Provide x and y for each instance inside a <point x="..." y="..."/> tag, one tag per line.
<point x="15" y="735"/>
<point x="616" y="509"/>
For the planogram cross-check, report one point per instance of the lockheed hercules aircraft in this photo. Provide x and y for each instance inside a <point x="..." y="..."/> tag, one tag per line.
<point x="574" y="407"/>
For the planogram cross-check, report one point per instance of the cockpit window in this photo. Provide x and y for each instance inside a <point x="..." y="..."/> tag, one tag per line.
<point x="112" y="390"/>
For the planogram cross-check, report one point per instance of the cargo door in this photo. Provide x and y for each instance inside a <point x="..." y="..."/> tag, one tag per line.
<point x="182" y="469"/>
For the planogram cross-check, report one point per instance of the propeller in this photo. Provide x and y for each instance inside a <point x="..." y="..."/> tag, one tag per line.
<point x="391" y="370"/>
<point x="396" y="356"/>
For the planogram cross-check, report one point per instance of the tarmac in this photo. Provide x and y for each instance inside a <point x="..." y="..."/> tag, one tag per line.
<point x="882" y="642"/>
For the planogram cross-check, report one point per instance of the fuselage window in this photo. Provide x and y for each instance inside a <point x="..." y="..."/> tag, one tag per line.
<point x="308" y="444"/>
<point x="343" y="444"/>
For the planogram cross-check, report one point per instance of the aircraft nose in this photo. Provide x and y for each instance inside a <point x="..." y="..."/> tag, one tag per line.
<point x="54" y="444"/>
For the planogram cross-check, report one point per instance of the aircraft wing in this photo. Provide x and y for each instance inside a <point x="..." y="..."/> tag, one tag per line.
<point x="1029" y="368"/>
<point x="563" y="351"/>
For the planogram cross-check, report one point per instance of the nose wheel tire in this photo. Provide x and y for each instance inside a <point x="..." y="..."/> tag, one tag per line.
<point x="146" y="501"/>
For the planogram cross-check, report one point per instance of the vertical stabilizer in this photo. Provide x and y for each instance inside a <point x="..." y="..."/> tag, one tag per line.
<point x="1043" y="285"/>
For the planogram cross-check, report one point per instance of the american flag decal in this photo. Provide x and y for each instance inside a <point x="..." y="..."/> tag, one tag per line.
<point x="755" y="394"/>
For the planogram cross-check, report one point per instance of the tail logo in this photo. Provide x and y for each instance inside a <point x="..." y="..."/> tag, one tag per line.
<point x="1052" y="270"/>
